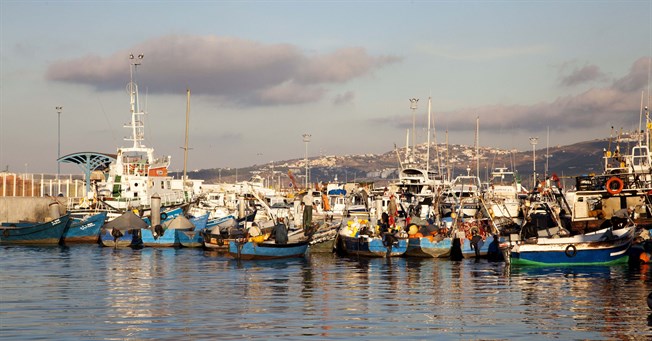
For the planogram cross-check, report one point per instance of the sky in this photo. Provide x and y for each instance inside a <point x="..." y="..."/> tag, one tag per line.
<point x="263" y="73"/>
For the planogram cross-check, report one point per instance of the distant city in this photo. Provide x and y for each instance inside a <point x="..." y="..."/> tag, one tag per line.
<point x="565" y="161"/>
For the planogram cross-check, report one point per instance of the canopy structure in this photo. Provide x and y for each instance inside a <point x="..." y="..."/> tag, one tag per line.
<point x="88" y="162"/>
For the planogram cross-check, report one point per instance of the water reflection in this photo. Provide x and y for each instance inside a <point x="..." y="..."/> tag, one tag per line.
<point x="91" y="292"/>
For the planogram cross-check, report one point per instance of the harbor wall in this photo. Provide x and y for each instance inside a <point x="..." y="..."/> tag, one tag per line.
<point x="14" y="209"/>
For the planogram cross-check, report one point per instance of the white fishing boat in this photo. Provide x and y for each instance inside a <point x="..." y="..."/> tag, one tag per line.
<point x="504" y="195"/>
<point x="461" y="197"/>
<point x="136" y="174"/>
<point x="626" y="181"/>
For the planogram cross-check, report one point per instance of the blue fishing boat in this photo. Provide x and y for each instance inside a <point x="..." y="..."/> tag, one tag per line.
<point x="123" y="231"/>
<point x="161" y="236"/>
<point x="29" y="233"/>
<point x="604" y="246"/>
<point x="193" y="237"/>
<point x="427" y="248"/>
<point x="84" y="230"/>
<point x="240" y="249"/>
<point x="367" y="246"/>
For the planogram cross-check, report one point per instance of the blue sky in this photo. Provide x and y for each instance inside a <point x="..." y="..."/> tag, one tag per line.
<point x="262" y="73"/>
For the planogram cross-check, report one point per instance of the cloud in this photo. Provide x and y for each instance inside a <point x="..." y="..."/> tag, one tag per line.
<point x="234" y="70"/>
<point x="585" y="74"/>
<point x="344" y="98"/>
<point x="618" y="104"/>
<point x="483" y="54"/>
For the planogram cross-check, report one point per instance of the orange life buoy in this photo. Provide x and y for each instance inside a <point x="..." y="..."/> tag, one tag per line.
<point x="614" y="190"/>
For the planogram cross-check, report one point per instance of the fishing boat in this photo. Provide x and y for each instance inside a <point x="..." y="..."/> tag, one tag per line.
<point x="462" y="197"/>
<point x="366" y="246"/>
<point x="625" y="181"/>
<point x="323" y="239"/>
<point x="604" y="246"/>
<point x="220" y="232"/>
<point x="136" y="174"/>
<point x="546" y="238"/>
<point x="193" y="237"/>
<point x="123" y="231"/>
<point x="85" y="230"/>
<point x="247" y="250"/>
<point x="425" y="247"/>
<point x="162" y="235"/>
<point x="358" y="238"/>
<point x="504" y="195"/>
<point x="30" y="233"/>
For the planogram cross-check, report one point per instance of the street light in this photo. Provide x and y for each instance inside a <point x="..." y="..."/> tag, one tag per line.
<point x="306" y="139"/>
<point x="59" y="109"/>
<point x="533" y="142"/>
<point x="413" y="106"/>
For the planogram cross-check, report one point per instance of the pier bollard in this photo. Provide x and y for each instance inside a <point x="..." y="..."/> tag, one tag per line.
<point x="54" y="210"/>
<point x="155" y="203"/>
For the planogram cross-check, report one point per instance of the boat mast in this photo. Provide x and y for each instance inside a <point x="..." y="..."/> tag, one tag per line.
<point x="413" y="106"/>
<point x="477" y="143"/>
<point x="185" y="146"/>
<point x="137" y="125"/>
<point x="545" y="175"/>
<point x="428" y="149"/>
<point x="448" y="160"/>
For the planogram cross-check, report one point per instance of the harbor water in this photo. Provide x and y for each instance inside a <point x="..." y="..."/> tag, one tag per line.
<point x="94" y="293"/>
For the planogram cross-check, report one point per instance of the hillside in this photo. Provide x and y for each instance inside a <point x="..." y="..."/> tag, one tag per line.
<point x="566" y="161"/>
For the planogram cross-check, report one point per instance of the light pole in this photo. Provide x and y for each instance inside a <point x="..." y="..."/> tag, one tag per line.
<point x="413" y="106"/>
<point x="533" y="142"/>
<point x="59" y="110"/>
<point x="306" y="139"/>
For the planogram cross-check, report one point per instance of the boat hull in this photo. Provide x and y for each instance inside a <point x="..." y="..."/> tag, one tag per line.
<point x="85" y="231"/>
<point x="167" y="239"/>
<point x="129" y="238"/>
<point x="252" y="251"/>
<point x="34" y="233"/>
<point x="588" y="249"/>
<point x="370" y="247"/>
<point x="424" y="248"/>
<point x="195" y="237"/>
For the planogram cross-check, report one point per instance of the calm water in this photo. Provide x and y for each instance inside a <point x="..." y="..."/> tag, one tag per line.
<point x="89" y="293"/>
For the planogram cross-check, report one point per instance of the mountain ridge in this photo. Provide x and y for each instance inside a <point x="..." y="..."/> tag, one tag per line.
<point x="566" y="161"/>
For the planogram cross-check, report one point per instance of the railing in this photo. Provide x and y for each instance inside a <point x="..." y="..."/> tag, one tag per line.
<point x="41" y="185"/>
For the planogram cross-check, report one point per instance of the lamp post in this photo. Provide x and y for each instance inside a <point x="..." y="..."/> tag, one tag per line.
<point x="413" y="106"/>
<point x="306" y="139"/>
<point x="533" y="142"/>
<point x="59" y="110"/>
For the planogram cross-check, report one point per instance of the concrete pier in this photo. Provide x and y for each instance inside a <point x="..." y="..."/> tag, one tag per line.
<point x="14" y="209"/>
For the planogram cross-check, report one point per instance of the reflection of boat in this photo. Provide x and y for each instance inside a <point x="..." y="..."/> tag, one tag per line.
<point x="85" y="230"/>
<point x="266" y="250"/>
<point x="27" y="233"/>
